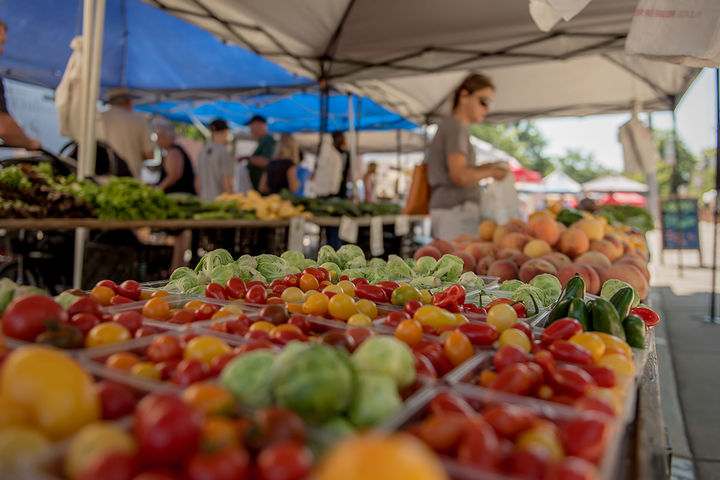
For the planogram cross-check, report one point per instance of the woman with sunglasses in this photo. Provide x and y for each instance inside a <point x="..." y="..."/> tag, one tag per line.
<point x="452" y="173"/>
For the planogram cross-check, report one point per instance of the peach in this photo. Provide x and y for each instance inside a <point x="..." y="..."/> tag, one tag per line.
<point x="442" y="245"/>
<point x="537" y="248"/>
<point x="428" y="251"/>
<point x="592" y="228"/>
<point x="558" y="259"/>
<point x="507" y="253"/>
<point x="629" y="273"/>
<point x="586" y="272"/>
<point x="544" y="228"/>
<point x="518" y="222"/>
<point x="505" y="269"/>
<point x="483" y="264"/>
<point x="514" y="240"/>
<point x="615" y="240"/>
<point x="594" y="259"/>
<point x="535" y="267"/>
<point x="486" y="229"/>
<point x="465" y="238"/>
<point x="503" y="230"/>
<point x="607" y="248"/>
<point x="458" y="245"/>
<point x="481" y="249"/>
<point x="637" y="262"/>
<point x="520" y="259"/>
<point x="573" y="242"/>
<point x="468" y="260"/>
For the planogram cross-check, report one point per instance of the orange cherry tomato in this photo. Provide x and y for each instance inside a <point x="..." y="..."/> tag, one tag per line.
<point x="102" y="294"/>
<point x="156" y="308"/>
<point x="308" y="282"/>
<point x="122" y="360"/>
<point x="457" y="347"/>
<point x="409" y="331"/>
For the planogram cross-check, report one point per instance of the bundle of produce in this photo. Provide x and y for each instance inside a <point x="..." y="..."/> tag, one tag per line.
<point x="32" y="192"/>
<point x="196" y="208"/>
<point x="338" y="207"/>
<point x="270" y="207"/>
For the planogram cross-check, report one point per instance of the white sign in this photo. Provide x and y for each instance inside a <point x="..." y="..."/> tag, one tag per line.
<point x="296" y="234"/>
<point x="377" y="243"/>
<point x="348" y="230"/>
<point x="402" y="225"/>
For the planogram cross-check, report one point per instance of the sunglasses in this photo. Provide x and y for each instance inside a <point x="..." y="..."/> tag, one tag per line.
<point x="485" y="102"/>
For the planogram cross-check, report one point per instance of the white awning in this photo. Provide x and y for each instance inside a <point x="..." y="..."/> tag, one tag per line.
<point x="614" y="183"/>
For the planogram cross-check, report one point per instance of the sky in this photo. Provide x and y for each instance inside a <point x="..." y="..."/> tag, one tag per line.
<point x="696" y="117"/>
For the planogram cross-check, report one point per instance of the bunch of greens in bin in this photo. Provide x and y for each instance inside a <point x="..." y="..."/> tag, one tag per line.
<point x="629" y="215"/>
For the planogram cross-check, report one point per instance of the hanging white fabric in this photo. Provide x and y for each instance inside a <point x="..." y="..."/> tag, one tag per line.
<point x="328" y="172"/>
<point x="687" y="32"/>
<point x="68" y="97"/>
<point x="641" y="154"/>
<point x="547" y="13"/>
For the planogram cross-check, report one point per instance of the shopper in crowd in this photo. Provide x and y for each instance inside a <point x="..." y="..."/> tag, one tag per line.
<point x="369" y="182"/>
<point x="264" y="151"/>
<point x="215" y="164"/>
<point x="452" y="173"/>
<point x="282" y="172"/>
<point x="176" y="172"/>
<point x="341" y="146"/>
<point x="125" y="131"/>
<point x="10" y="132"/>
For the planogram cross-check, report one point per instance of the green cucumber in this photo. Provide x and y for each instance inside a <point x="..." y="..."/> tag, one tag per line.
<point x="574" y="288"/>
<point x="559" y="311"/>
<point x="580" y="312"/>
<point x="623" y="300"/>
<point x="635" y="331"/>
<point x="605" y="318"/>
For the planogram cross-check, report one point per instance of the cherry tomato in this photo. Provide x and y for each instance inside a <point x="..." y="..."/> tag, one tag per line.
<point x="110" y="466"/>
<point x="182" y="317"/>
<point x="106" y="333"/>
<point x="129" y="289"/>
<point x="501" y="316"/>
<point x="404" y="294"/>
<point x="316" y="305"/>
<point x="360" y="320"/>
<point x="479" y="333"/>
<point x="513" y="336"/>
<point x="474" y="309"/>
<point x="435" y="353"/>
<point x="561" y="329"/>
<point x="519" y="307"/>
<point x="205" y="348"/>
<point x="287" y="460"/>
<point x="131" y="320"/>
<point x="572" y="468"/>
<point x="373" y="293"/>
<point x="283" y="337"/>
<point x="451" y="402"/>
<point x="393" y="319"/>
<point x="388" y="287"/>
<point x="291" y="280"/>
<point x="256" y="294"/>
<point x="302" y="322"/>
<point x="239" y="326"/>
<point x="308" y="282"/>
<point x="515" y="379"/>
<point x="450" y="299"/>
<point x="116" y="400"/>
<point x="367" y="307"/>
<point x="479" y="446"/>
<point x="359" y="334"/>
<point x="571" y="380"/>
<point x="206" y="311"/>
<point x="84" y="321"/>
<point x="338" y="338"/>
<point x="433" y="316"/>
<point x="586" y="437"/>
<point x="85" y="304"/>
<point x="146" y="332"/>
<point x="230" y="463"/>
<point x="603" y="376"/>
<point x="509" y="420"/>
<point x="424" y="366"/>
<point x="147" y="370"/>
<point x="164" y="347"/>
<point x="525" y="328"/>
<point x="358" y="281"/>
<point x="215" y="290"/>
<point x="457" y="347"/>
<point x="342" y="306"/>
<point x="189" y="371"/>
<point x="566" y="351"/>
<point x="156" y="308"/>
<point x="107" y="283"/>
<point x="442" y="431"/>
<point x="412" y="306"/>
<point x="542" y="436"/>
<point x="509" y="355"/>
<point x="119" y="300"/>
<point x="409" y="331"/>
<point x="258" y="334"/>
<point x="102" y="294"/>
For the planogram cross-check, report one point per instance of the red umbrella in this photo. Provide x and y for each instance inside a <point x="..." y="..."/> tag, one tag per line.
<point x="623" y="198"/>
<point x="523" y="174"/>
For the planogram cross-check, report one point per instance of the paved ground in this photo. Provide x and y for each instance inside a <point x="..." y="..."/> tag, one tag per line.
<point x="689" y="358"/>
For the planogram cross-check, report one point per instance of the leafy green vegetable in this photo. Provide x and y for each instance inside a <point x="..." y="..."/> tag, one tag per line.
<point x="332" y="267"/>
<point x="212" y="259"/>
<point x="424" y="265"/>
<point x="511" y="285"/>
<point x="222" y="273"/>
<point x="377" y="397"/>
<point x="328" y="254"/>
<point x="425" y="282"/>
<point x="448" y="268"/>
<point x="376" y="263"/>
<point x="470" y="279"/>
<point x="347" y="253"/>
<point x="375" y="275"/>
<point x="247" y="261"/>
<point x="611" y="286"/>
<point x="388" y="356"/>
<point x="309" y="262"/>
<point x="354" y="273"/>
<point x="397" y="269"/>
<point x="295" y="259"/>
<point x="275" y="269"/>
<point x="549" y="284"/>
<point x="248" y="378"/>
<point x="532" y="297"/>
<point x="357" y="262"/>
<point x="410" y="262"/>
<point x="250" y="275"/>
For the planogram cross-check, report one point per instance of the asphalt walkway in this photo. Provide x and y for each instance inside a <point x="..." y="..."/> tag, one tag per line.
<point x="689" y="357"/>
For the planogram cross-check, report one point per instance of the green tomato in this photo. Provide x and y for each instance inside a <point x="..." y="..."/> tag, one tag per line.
<point x="403" y="294"/>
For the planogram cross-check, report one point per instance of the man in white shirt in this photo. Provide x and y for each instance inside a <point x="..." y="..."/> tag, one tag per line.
<point x="127" y="132"/>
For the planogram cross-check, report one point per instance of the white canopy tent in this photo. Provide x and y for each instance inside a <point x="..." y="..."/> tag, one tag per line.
<point x="410" y="54"/>
<point x="560" y="182"/>
<point x="614" y="183"/>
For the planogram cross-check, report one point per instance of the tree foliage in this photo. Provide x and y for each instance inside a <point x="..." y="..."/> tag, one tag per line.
<point x="581" y="167"/>
<point x="522" y="140"/>
<point x="669" y="178"/>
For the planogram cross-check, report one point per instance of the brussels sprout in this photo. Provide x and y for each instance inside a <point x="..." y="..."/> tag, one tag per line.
<point x="247" y="261"/>
<point x="377" y="263"/>
<point x="212" y="259"/>
<point x="181" y="272"/>
<point x="386" y="355"/>
<point x="410" y="262"/>
<point x="397" y="269"/>
<point x="196" y="291"/>
<point x="222" y="273"/>
<point x="250" y="275"/>
<point x="448" y="268"/>
<point x="549" y="284"/>
<point x="183" y="284"/>
<point x="425" y="282"/>
<point x="275" y="269"/>
<point x="424" y="265"/>
<point x="532" y="297"/>
<point x="315" y="381"/>
<point x="377" y="397"/>
<point x="332" y="267"/>
<point x="611" y="286"/>
<point x="357" y="262"/>
<point x="348" y="252"/>
<point x="328" y="254"/>
<point x="353" y="273"/>
<point x="248" y="378"/>
<point x="266" y="258"/>
<point x="511" y="285"/>
<point x="469" y="279"/>
<point x="309" y="262"/>
<point x="375" y="275"/>
<point x="295" y="259"/>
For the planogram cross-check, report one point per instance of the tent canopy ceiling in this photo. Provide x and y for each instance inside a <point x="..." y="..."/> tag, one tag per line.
<point x="410" y="54"/>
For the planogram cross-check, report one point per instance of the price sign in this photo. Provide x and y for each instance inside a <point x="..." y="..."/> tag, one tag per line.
<point x="348" y="230"/>
<point x="296" y="234"/>
<point x="377" y="243"/>
<point x="402" y="225"/>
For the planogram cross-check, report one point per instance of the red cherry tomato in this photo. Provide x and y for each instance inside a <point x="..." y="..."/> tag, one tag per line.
<point x="586" y="437"/>
<point x="518" y="306"/>
<point x="565" y="351"/>
<point x="509" y="420"/>
<point x="442" y="431"/>
<point x="571" y="468"/>
<point x="445" y="402"/>
<point x="84" y="321"/>
<point x="571" y="380"/>
<point x="119" y="300"/>
<point x="181" y="317"/>
<point x="474" y="309"/>
<point x="649" y="317"/>
<point x="256" y="294"/>
<point x="359" y="334"/>
<point x="393" y="319"/>
<point x="603" y="376"/>
<point x="167" y="368"/>
<point x="218" y="363"/>
<point x="285" y="461"/>
<point x="357" y="281"/>
<point x="479" y="333"/>
<point x="230" y="463"/>
<point x="26" y="317"/>
<point x="164" y="347"/>
<point x="561" y="329"/>
<point x="291" y="280"/>
<point x="129" y="289"/>
<point x="516" y="379"/>
<point x="435" y="353"/>
<point x="302" y="322"/>
<point x="371" y="292"/>
<point x="131" y="320"/>
<point x="525" y="328"/>
<point x="412" y="306"/>
<point x="509" y="355"/>
<point x="423" y="366"/>
<point x="206" y="311"/>
<point x="85" y="304"/>
<point x="108" y="283"/>
<point x="215" y="290"/>
<point x="116" y="400"/>
<point x="146" y="332"/>
<point x="387" y="286"/>
<point x="479" y="446"/>
<point x="235" y="288"/>
<point x="190" y="371"/>
<point x="239" y="326"/>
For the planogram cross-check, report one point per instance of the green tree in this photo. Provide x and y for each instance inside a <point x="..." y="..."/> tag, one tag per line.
<point x="581" y="167"/>
<point x="522" y="140"/>
<point x="670" y="178"/>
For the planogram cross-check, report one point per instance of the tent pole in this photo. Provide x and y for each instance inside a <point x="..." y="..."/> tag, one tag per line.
<point x="399" y="161"/>
<point x="674" y="185"/>
<point x="713" y="312"/>
<point x="353" y="146"/>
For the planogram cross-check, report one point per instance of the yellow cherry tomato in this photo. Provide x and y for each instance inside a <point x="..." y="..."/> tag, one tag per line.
<point x="233" y="308"/>
<point x="292" y="295"/>
<point x="208" y="398"/>
<point x="147" y="370"/>
<point x="541" y="437"/>
<point x="316" y="304"/>
<point x="205" y="348"/>
<point x="281" y="328"/>
<point x="513" y="336"/>
<point x="261" y="325"/>
<point x="367" y="307"/>
<point x="294" y="307"/>
<point x="21" y="443"/>
<point x="347" y="287"/>
<point x="102" y="294"/>
<point x="342" y="306"/>
<point x="425" y="297"/>
<point x="144" y="294"/>
<point x="460" y="318"/>
<point x="592" y="342"/>
<point x="360" y="320"/>
<point x="333" y="289"/>
<point x="192" y="305"/>
<point x="619" y="363"/>
<point x="502" y="316"/>
<point x="107" y="333"/>
<point x="221" y="314"/>
<point x="156" y="293"/>
<point x="94" y="441"/>
<point x="614" y="344"/>
<point x="310" y="293"/>
<point x="434" y="316"/>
